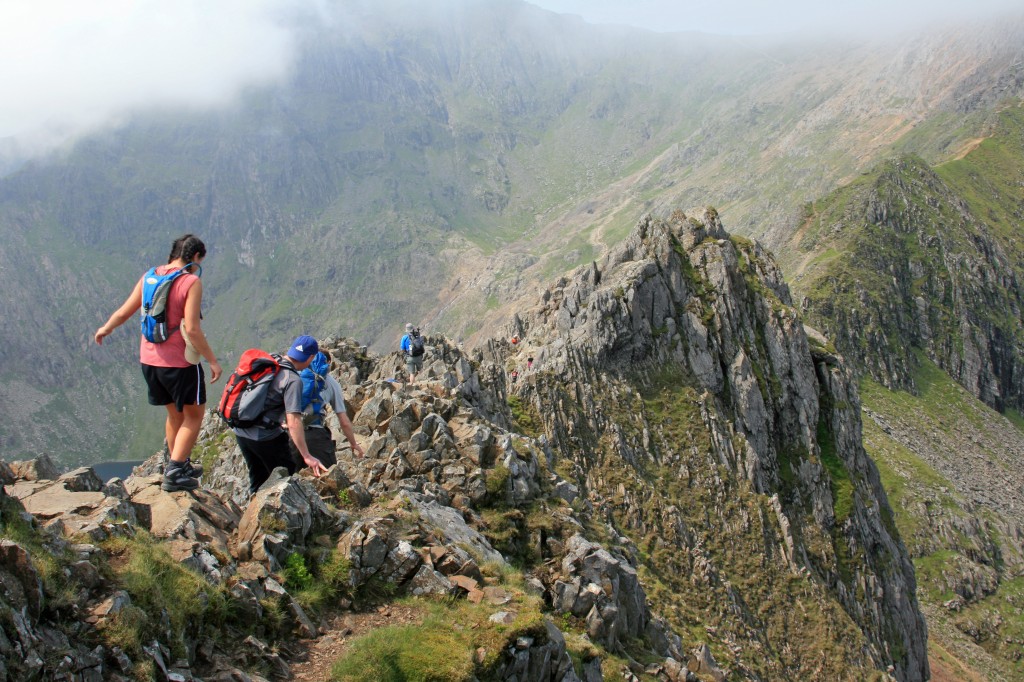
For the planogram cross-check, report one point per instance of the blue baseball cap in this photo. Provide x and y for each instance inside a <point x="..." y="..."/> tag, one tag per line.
<point x="303" y="348"/>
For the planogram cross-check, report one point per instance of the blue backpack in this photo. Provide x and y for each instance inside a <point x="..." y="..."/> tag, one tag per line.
<point x="313" y="383"/>
<point x="155" y="289"/>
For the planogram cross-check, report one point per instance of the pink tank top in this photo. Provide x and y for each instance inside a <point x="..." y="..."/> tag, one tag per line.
<point x="170" y="353"/>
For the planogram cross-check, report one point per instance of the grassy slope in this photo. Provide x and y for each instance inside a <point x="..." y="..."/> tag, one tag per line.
<point x="987" y="178"/>
<point x="990" y="177"/>
<point x="846" y="258"/>
<point x="929" y="437"/>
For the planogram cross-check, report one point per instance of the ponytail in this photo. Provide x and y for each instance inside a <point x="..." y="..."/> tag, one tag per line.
<point x="187" y="247"/>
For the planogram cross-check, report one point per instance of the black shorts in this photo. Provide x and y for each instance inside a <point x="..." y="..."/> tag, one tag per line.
<point x="179" y="385"/>
<point x="321" y="445"/>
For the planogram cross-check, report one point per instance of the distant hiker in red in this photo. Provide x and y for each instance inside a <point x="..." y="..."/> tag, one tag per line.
<point x="170" y="298"/>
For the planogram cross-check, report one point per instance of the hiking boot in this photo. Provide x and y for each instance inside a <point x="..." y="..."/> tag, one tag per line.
<point x="176" y="477"/>
<point x="194" y="470"/>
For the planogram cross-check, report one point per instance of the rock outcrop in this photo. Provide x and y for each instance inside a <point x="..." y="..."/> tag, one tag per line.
<point x="679" y="362"/>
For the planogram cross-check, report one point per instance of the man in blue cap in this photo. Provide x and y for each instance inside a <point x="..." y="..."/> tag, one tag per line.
<point x="266" y="447"/>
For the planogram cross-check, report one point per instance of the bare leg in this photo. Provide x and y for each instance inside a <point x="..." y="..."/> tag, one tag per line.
<point x="172" y="426"/>
<point x="183" y="430"/>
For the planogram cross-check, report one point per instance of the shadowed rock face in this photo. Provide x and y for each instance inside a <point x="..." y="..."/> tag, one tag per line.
<point x="710" y="478"/>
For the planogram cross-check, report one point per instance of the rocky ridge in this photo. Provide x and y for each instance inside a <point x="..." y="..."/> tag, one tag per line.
<point x="685" y="315"/>
<point x="915" y="273"/>
<point x="407" y="516"/>
<point x="920" y="270"/>
<point x="675" y="471"/>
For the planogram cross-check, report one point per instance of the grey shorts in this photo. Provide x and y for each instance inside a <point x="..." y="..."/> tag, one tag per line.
<point x="413" y="364"/>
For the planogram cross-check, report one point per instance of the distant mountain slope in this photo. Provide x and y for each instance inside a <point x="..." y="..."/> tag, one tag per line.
<point x="952" y="470"/>
<point x="907" y="258"/>
<point x="435" y="169"/>
<point x="776" y="126"/>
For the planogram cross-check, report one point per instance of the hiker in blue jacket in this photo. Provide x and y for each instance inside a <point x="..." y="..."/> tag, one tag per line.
<point x="413" y="347"/>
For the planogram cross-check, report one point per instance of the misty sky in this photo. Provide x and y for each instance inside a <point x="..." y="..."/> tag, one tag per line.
<point x="71" y="66"/>
<point x="732" y="17"/>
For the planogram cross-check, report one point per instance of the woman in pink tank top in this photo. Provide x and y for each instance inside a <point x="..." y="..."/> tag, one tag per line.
<point x="173" y="381"/>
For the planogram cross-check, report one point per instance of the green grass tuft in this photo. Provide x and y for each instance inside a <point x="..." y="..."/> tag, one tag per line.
<point x="842" y="486"/>
<point x="524" y="414"/>
<point x="456" y="641"/>
<point x="158" y="584"/>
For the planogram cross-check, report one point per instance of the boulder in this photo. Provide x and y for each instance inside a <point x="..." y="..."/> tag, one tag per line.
<point x="7" y="475"/>
<point x="604" y="590"/>
<point x="42" y="468"/>
<point x="20" y="585"/>
<point x="229" y="475"/>
<point x="449" y="524"/>
<point x="365" y="545"/>
<point x="280" y="517"/>
<point x="530" y="659"/>
<point x="82" y="480"/>
<point x="703" y="663"/>
<point x="198" y="515"/>
<point x="428" y="581"/>
<point x="73" y="513"/>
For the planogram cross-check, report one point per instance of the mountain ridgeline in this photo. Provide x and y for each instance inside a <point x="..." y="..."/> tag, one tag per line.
<point x="725" y="445"/>
<point x="669" y="460"/>
<point x="910" y="259"/>
<point x="916" y="274"/>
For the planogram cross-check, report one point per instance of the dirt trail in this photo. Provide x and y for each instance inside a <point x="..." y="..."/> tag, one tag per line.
<point x="320" y="654"/>
<point x="968" y="147"/>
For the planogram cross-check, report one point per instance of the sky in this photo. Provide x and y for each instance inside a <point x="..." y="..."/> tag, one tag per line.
<point x="66" y="65"/>
<point x="756" y="17"/>
<point x="72" y="66"/>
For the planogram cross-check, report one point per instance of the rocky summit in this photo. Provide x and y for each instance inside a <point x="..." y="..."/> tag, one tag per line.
<point x="656" y="473"/>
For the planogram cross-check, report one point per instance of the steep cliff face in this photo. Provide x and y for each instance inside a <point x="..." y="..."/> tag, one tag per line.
<point x="901" y="261"/>
<point x="721" y="448"/>
<point x="915" y="272"/>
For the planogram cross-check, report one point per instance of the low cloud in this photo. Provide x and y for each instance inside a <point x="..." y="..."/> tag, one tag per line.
<point x="800" y="17"/>
<point x="68" y="66"/>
